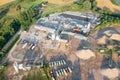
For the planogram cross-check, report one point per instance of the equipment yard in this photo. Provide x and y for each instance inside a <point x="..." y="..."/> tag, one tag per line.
<point x="65" y="42"/>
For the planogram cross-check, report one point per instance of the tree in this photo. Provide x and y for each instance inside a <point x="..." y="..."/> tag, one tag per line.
<point x="15" y="24"/>
<point x="81" y="2"/>
<point x="18" y="7"/>
<point x="1" y="41"/>
<point x="26" y="18"/>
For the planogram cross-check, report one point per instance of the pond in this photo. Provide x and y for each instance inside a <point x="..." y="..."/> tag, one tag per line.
<point x="119" y="2"/>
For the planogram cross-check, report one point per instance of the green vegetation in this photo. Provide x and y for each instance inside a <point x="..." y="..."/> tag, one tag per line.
<point x="22" y="13"/>
<point x="77" y="6"/>
<point x="46" y="69"/>
<point x="108" y="19"/>
<point x="26" y="18"/>
<point x="10" y="27"/>
<point x="107" y="51"/>
<point x="9" y="47"/>
<point x="3" y="76"/>
<point x="3" y="12"/>
<point x="15" y="16"/>
<point x="1" y="67"/>
<point x="36" y="74"/>
<point x="106" y="16"/>
<point x="28" y="3"/>
<point x="81" y="6"/>
<point x="12" y="43"/>
<point x="115" y="2"/>
<point x="25" y="15"/>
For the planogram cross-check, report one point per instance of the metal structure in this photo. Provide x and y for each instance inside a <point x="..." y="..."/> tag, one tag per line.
<point x="110" y="59"/>
<point x="15" y="65"/>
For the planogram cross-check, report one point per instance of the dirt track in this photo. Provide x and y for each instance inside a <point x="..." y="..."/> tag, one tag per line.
<point x="108" y="4"/>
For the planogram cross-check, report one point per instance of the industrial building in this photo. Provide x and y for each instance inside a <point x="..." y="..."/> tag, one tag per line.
<point x="68" y="22"/>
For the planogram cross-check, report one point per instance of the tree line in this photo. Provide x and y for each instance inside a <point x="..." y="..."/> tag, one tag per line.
<point x="9" y="25"/>
<point x="26" y="18"/>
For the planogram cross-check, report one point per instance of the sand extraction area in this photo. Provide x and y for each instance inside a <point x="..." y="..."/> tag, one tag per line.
<point x="2" y="2"/>
<point x="111" y="73"/>
<point x="85" y="54"/>
<point x="108" y="4"/>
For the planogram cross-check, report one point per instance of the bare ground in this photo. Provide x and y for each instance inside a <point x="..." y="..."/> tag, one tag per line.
<point x="108" y="4"/>
<point x="2" y="2"/>
<point x="89" y="69"/>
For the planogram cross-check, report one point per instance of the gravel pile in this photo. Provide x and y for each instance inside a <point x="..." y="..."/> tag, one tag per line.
<point x="111" y="73"/>
<point x="85" y="54"/>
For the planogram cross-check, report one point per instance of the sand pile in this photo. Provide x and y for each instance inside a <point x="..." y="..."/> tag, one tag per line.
<point x="115" y="37"/>
<point x="111" y="73"/>
<point x="108" y="33"/>
<point x="85" y="54"/>
<point x="102" y="40"/>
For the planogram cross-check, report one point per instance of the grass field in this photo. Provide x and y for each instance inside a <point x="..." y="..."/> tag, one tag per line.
<point x="108" y="4"/>
<point x="2" y="2"/>
<point x="24" y="5"/>
<point x="27" y="5"/>
<point x="59" y="1"/>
